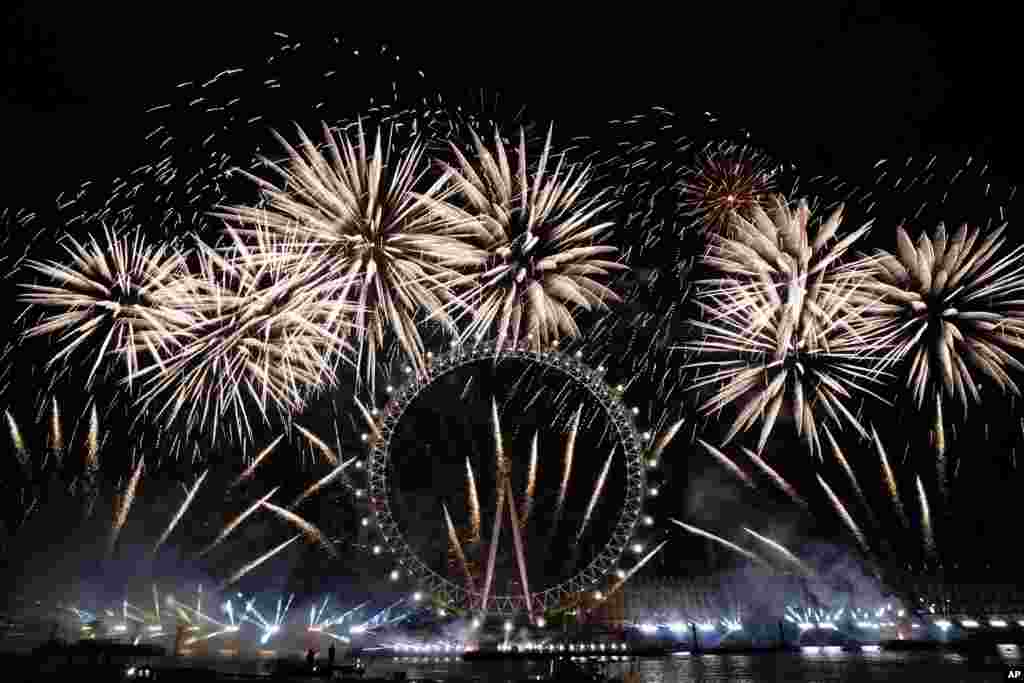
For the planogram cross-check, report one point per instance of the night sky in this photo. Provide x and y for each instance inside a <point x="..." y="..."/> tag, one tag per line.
<point x="829" y="90"/>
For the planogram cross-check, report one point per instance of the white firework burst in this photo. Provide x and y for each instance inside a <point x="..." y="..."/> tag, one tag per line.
<point x="536" y="255"/>
<point x="257" y="340"/>
<point x="949" y="310"/>
<point x="116" y="301"/>
<point x="781" y="326"/>
<point x="356" y="231"/>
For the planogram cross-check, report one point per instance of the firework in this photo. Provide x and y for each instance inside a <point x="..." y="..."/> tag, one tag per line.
<point x="753" y="557"/>
<point x="890" y="479"/>
<point x="124" y="505"/>
<point x="256" y="340"/>
<point x="311" y="532"/>
<point x="474" y="501"/>
<point x="531" y="480"/>
<point x="782" y="550"/>
<point x="317" y="442"/>
<point x="926" y="519"/>
<point x="727" y="179"/>
<point x="595" y="496"/>
<point x="364" y="235"/>
<point x="323" y="481"/>
<point x="776" y="478"/>
<point x="181" y="512"/>
<point x="537" y="255"/>
<point x="636" y="568"/>
<point x="948" y="309"/>
<point x="728" y="464"/>
<point x="845" y="515"/>
<point x="255" y="463"/>
<point x="570" y="449"/>
<point x="665" y="438"/>
<point x="118" y="301"/>
<point x="453" y="540"/>
<point x="782" y="320"/>
<point x="17" y="440"/>
<point x="260" y="560"/>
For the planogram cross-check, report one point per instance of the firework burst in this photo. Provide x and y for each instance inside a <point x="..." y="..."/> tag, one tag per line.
<point x="357" y="231"/>
<point x="536" y="257"/>
<point x="255" y="338"/>
<point x="949" y="310"/>
<point x="781" y="325"/>
<point x="118" y="299"/>
<point x="727" y="178"/>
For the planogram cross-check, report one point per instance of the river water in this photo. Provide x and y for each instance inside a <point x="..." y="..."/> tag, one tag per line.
<point x="803" y="667"/>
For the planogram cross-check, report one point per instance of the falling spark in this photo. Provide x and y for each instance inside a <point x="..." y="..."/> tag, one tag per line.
<point x="845" y="516"/>
<point x="56" y="433"/>
<point x="782" y="550"/>
<point x="474" y="501"/>
<point x="367" y="417"/>
<point x="453" y="539"/>
<point x="181" y="512"/>
<point x="728" y="544"/>
<point x="156" y="602"/>
<point x="783" y="485"/>
<point x="125" y="504"/>
<point x="311" y="531"/>
<point x="324" y="481"/>
<point x="890" y="480"/>
<point x="319" y="444"/>
<point x="838" y="453"/>
<point x="20" y="451"/>
<point x="727" y="463"/>
<point x="259" y="560"/>
<point x="598" y="490"/>
<point x="570" y="448"/>
<point x="926" y="519"/>
<point x="259" y="458"/>
<point x="232" y="525"/>
<point x="637" y="567"/>
<point x="531" y="480"/>
<point x="92" y="441"/>
<point x="665" y="439"/>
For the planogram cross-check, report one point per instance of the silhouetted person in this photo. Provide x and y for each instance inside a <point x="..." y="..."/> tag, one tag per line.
<point x="330" y="656"/>
<point x="310" y="658"/>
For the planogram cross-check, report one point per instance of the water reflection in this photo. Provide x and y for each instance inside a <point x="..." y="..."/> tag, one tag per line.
<point x="820" y="665"/>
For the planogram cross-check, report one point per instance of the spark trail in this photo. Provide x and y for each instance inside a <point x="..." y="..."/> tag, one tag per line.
<point x="637" y="567"/>
<point x="474" y="501"/>
<point x="124" y="505"/>
<point x="753" y="557"/>
<point x="318" y="443"/>
<point x="323" y="481"/>
<point x="453" y="539"/>
<point x="570" y="449"/>
<point x="313" y="533"/>
<point x="233" y="524"/>
<point x="890" y="480"/>
<point x="598" y="490"/>
<point x="728" y="464"/>
<point x="259" y="560"/>
<point x="782" y="551"/>
<point x="255" y="463"/>
<point x="926" y="519"/>
<point x="845" y="516"/>
<point x="783" y="485"/>
<point x="665" y="438"/>
<point x="181" y="512"/>
<point x="531" y="480"/>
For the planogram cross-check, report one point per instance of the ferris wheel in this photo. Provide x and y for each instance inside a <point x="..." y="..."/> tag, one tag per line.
<point x="580" y="514"/>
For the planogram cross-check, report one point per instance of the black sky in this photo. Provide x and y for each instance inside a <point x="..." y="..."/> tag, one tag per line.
<point x="846" y="82"/>
<point x="828" y="87"/>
